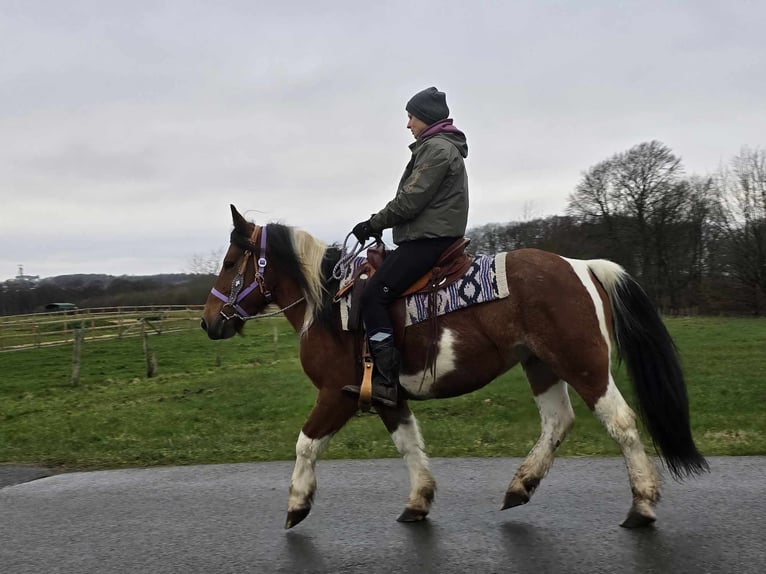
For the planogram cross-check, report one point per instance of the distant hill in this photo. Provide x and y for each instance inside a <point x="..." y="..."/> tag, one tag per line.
<point x="99" y="290"/>
<point x="95" y="279"/>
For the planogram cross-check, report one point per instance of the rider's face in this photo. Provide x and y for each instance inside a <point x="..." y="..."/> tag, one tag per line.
<point x="415" y="125"/>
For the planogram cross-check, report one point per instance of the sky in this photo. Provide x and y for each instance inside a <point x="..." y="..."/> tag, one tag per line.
<point x="128" y="127"/>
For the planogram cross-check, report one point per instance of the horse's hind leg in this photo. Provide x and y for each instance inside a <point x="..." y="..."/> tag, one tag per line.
<point x="556" y="420"/>
<point x="620" y="422"/>
<point x="331" y="412"/>
<point x="403" y="426"/>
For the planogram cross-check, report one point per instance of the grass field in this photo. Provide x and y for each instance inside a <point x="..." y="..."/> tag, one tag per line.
<point x="246" y="399"/>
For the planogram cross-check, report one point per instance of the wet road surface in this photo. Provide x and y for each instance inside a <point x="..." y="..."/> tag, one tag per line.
<point x="229" y="519"/>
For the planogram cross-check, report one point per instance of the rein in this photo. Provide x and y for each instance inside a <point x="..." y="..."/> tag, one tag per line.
<point x="344" y="265"/>
<point x="237" y="294"/>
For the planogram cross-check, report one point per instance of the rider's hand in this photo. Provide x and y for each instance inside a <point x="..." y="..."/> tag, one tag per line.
<point x="362" y="231"/>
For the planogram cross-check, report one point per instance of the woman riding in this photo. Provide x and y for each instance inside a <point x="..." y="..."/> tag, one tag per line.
<point x="428" y="214"/>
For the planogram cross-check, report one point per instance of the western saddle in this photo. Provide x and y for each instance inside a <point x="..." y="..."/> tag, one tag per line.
<point x="449" y="268"/>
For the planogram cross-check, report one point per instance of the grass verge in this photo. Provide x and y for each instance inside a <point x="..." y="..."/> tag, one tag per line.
<point x="246" y="399"/>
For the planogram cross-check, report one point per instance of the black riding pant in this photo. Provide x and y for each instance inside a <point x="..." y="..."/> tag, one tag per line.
<point x="400" y="269"/>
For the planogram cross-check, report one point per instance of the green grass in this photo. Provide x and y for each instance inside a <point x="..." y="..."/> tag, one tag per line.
<point x="246" y="399"/>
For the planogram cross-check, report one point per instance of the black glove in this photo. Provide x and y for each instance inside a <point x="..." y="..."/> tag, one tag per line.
<point x="362" y="231"/>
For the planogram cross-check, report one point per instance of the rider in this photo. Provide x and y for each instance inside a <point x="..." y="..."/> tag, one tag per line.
<point x="428" y="214"/>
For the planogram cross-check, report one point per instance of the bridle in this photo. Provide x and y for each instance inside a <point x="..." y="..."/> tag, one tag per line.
<point x="238" y="294"/>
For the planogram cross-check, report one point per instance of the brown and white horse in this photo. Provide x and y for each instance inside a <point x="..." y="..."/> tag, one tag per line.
<point x="559" y="322"/>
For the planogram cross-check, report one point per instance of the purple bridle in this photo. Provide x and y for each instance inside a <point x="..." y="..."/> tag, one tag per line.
<point x="237" y="294"/>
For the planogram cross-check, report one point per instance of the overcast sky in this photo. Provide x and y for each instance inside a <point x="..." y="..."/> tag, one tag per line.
<point x="128" y="127"/>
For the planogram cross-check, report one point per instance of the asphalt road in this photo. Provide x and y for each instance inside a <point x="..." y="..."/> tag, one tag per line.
<point x="229" y="519"/>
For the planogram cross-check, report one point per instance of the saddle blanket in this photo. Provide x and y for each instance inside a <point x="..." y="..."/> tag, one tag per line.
<point x="484" y="281"/>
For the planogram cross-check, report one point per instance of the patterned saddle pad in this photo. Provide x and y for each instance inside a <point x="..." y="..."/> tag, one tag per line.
<point x="484" y="281"/>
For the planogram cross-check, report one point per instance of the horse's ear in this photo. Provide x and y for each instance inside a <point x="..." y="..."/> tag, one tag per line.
<point x="240" y="223"/>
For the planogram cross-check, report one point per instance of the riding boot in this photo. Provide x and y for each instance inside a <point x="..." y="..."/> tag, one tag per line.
<point x="385" y="386"/>
<point x="385" y="375"/>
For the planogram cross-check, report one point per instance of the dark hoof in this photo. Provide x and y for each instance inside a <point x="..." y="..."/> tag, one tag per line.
<point x="295" y="517"/>
<point x="412" y="515"/>
<point x="636" y="520"/>
<point x="514" y="499"/>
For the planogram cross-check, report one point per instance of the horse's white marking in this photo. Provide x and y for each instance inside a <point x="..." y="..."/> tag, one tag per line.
<point x="420" y="383"/>
<point x="582" y="270"/>
<point x="608" y="272"/>
<point x="620" y="423"/>
<point x="556" y="420"/>
<point x="303" y="483"/>
<point x="409" y="443"/>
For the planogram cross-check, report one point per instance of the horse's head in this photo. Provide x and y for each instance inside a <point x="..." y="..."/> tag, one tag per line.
<point x="240" y="291"/>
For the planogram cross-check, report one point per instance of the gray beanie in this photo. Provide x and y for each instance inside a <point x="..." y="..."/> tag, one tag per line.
<point x="429" y="106"/>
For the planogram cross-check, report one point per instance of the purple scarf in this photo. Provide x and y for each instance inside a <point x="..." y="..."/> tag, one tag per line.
<point x="440" y="127"/>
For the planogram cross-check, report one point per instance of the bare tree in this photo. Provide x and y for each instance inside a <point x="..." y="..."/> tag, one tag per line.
<point x="686" y="241"/>
<point x="638" y="195"/>
<point x="594" y="196"/>
<point x="743" y="188"/>
<point x="206" y="264"/>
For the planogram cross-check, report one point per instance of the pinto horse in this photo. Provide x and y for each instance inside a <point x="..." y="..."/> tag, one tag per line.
<point x="560" y="322"/>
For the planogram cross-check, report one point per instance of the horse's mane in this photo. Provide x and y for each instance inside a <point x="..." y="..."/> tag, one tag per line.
<point x="309" y="262"/>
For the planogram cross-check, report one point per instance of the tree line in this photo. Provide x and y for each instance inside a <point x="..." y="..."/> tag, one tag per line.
<point x="697" y="244"/>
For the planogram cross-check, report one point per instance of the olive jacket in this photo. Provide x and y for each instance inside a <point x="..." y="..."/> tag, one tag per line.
<point x="432" y="198"/>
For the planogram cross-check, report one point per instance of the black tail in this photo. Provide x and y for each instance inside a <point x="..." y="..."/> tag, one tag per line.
<point x="650" y="354"/>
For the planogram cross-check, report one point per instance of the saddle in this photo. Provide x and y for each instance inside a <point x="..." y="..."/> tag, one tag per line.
<point x="449" y="268"/>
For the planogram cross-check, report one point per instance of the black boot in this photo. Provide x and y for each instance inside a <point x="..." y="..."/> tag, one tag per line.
<point x="385" y="376"/>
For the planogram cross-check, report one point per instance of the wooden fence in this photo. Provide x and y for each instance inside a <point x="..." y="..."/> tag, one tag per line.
<point x="61" y="327"/>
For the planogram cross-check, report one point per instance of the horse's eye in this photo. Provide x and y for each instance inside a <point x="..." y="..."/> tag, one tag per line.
<point x="228" y="264"/>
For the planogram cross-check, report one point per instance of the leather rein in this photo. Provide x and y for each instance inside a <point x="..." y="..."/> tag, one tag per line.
<point x="237" y="294"/>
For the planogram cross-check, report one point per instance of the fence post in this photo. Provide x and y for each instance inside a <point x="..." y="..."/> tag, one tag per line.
<point x="149" y="356"/>
<point x="77" y="338"/>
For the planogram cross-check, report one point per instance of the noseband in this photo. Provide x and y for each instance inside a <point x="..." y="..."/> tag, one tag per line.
<point x="237" y="294"/>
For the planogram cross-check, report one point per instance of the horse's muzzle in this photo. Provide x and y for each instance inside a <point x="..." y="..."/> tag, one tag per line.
<point x="220" y="328"/>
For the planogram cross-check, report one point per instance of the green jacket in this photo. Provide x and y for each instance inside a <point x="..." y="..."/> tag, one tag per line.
<point x="432" y="198"/>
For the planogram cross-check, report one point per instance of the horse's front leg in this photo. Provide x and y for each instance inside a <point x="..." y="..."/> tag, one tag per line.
<point x="331" y="412"/>
<point x="403" y="426"/>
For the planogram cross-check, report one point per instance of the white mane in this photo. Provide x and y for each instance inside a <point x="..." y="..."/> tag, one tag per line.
<point x="310" y="252"/>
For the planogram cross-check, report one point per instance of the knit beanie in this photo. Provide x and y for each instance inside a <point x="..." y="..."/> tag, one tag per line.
<point x="429" y="106"/>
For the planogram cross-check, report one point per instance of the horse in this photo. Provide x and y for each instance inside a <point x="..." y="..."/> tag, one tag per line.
<point x="560" y="322"/>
